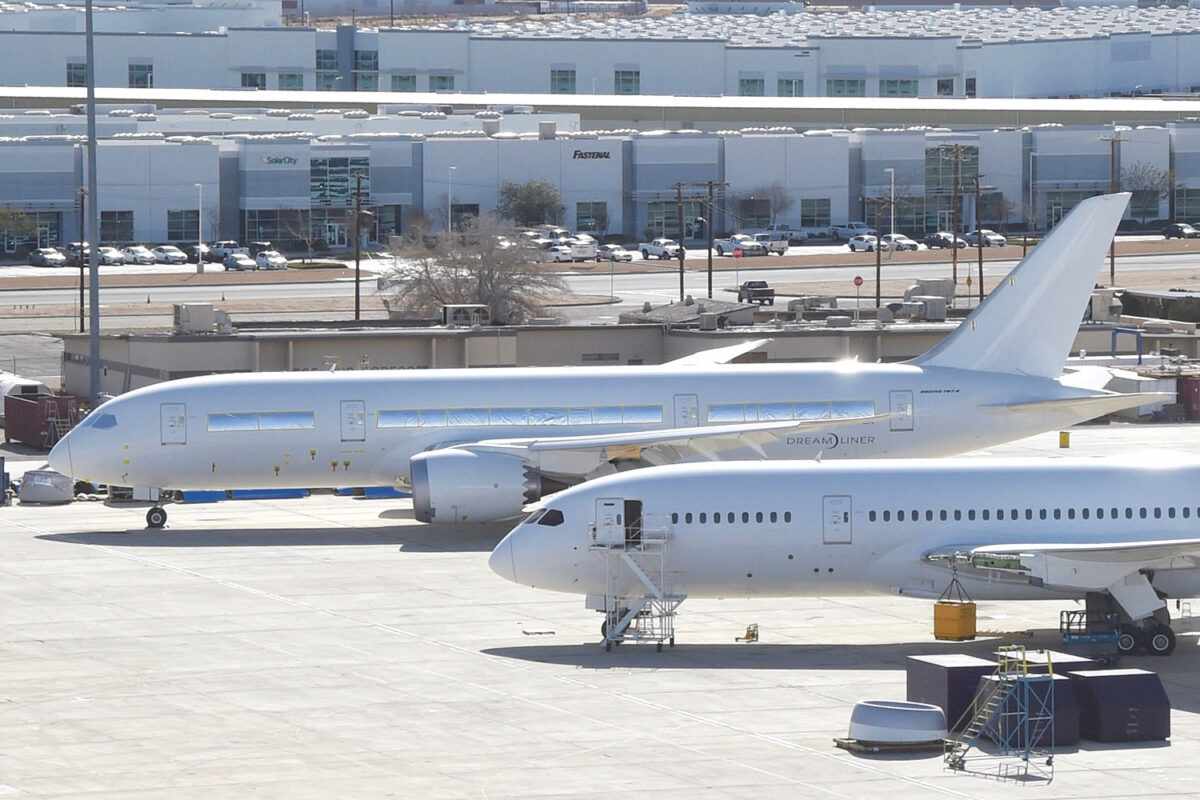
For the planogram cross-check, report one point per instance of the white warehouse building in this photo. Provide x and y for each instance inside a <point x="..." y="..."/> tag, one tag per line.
<point x="297" y="188"/>
<point x="1085" y="51"/>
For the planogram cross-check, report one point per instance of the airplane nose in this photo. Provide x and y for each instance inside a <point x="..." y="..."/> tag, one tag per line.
<point x="502" y="560"/>
<point x="60" y="457"/>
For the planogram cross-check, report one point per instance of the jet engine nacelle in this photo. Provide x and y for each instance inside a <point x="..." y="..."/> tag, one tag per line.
<point x="452" y="485"/>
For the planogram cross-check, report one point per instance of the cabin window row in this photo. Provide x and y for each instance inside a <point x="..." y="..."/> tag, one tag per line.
<point x="488" y="417"/>
<point x="263" y="421"/>
<point x="771" y="412"/>
<point x="1014" y="514"/>
<point x="730" y="517"/>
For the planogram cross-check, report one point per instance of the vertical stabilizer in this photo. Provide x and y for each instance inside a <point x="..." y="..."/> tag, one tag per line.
<point x="1028" y="323"/>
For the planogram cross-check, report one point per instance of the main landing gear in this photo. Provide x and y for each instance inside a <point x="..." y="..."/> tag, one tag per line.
<point x="1155" y="638"/>
<point x="156" y="517"/>
<point x="1104" y="618"/>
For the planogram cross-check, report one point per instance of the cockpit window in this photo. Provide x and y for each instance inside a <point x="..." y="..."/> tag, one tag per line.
<point x="532" y="518"/>
<point x="551" y="517"/>
<point x="102" y="421"/>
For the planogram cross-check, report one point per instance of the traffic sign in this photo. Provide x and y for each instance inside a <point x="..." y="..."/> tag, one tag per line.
<point x="858" y="281"/>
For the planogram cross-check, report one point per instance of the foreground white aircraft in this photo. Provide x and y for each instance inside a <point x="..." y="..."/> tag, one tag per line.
<point x="477" y="445"/>
<point x="1123" y="536"/>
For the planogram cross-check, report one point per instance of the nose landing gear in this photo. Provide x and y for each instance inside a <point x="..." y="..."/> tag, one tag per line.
<point x="156" y="517"/>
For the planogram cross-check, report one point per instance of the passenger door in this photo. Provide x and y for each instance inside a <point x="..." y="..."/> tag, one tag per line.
<point x="901" y="406"/>
<point x="609" y="530"/>
<point x="173" y="423"/>
<point x="837" y="519"/>
<point x="687" y="411"/>
<point x="354" y="421"/>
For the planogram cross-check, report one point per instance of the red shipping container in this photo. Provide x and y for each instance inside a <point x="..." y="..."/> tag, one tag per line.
<point x="39" y="420"/>
<point x="1189" y="395"/>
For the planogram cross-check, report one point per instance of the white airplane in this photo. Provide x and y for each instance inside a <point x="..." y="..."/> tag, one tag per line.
<point x="477" y="445"/>
<point x="1122" y="536"/>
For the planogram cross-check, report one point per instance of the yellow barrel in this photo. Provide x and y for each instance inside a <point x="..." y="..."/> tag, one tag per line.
<point x="954" y="620"/>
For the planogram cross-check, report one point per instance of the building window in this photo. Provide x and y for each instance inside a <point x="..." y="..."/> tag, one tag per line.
<point x="970" y="87"/>
<point x="1143" y="205"/>
<point x="116" y="226"/>
<point x="254" y="80"/>
<point x="461" y="212"/>
<point x="898" y="88"/>
<point x="327" y="59"/>
<point x="141" y="76"/>
<point x="627" y="81"/>
<point x="790" y="87"/>
<point x="591" y="217"/>
<point x="291" y="82"/>
<point x="815" y="213"/>
<point x="366" y="60"/>
<point x="404" y="83"/>
<point x="183" y="226"/>
<point x="1187" y="203"/>
<point x="327" y="70"/>
<point x="753" y="212"/>
<point x="332" y="181"/>
<point x="751" y="87"/>
<point x="366" y="81"/>
<point x="945" y="87"/>
<point x="845" y="87"/>
<point x="328" y="81"/>
<point x="441" y="83"/>
<point x="76" y="73"/>
<point x="562" y="81"/>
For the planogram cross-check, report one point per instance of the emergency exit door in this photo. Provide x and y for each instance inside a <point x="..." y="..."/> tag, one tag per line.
<point x="687" y="411"/>
<point x="173" y="423"/>
<point x="354" y="421"/>
<point x="837" y="519"/>
<point x="901" y="407"/>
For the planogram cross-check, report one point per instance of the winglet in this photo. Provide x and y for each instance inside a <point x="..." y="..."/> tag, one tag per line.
<point x="1028" y="323"/>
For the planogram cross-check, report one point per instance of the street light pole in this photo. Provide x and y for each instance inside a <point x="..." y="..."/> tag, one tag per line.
<point x="708" y="228"/>
<point x="82" y="239"/>
<point x="891" y="171"/>
<point x="450" y="199"/>
<point x="199" y="228"/>
<point x="93" y="217"/>
<point x="358" y="242"/>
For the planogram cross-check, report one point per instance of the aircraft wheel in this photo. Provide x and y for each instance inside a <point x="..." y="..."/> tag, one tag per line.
<point x="1160" y="641"/>
<point x="1129" y="639"/>
<point x="156" y="517"/>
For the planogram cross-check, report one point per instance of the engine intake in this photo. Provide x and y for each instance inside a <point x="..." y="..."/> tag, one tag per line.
<point x="452" y="485"/>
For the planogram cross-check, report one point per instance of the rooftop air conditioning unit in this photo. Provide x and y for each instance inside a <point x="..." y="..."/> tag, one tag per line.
<point x="194" y="317"/>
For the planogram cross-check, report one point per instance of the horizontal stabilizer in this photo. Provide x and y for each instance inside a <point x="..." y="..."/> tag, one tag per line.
<point x="1027" y="325"/>
<point x="718" y="355"/>
<point x="1096" y="405"/>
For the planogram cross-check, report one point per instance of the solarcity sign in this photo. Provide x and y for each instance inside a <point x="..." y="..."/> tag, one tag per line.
<point x="280" y="161"/>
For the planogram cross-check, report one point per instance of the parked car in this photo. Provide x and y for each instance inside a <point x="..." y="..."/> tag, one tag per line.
<point x="583" y="248"/>
<point x="111" y="257"/>
<point x="756" y="292"/>
<point x="898" y="242"/>
<point x="739" y="241"/>
<point x="47" y="257"/>
<point x="138" y="254"/>
<point x="77" y="251"/>
<point x="944" y="239"/>
<point x="613" y="252"/>
<point x="559" y="253"/>
<point x="221" y="250"/>
<point x="169" y="254"/>
<point x="270" y="259"/>
<point x="1180" y="230"/>
<point x="867" y="243"/>
<point x="239" y="261"/>
<point x="661" y="248"/>
<point x="990" y="238"/>
<point x="782" y="230"/>
<point x="773" y="243"/>
<point x="851" y="229"/>
<point x="205" y="253"/>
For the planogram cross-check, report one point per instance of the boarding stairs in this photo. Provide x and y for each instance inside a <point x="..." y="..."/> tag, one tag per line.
<point x="1014" y="711"/>
<point x="638" y="603"/>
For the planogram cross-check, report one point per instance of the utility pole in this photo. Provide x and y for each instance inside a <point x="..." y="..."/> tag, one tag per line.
<point x="955" y="210"/>
<point x="82" y="239"/>
<point x="1114" y="186"/>
<point x="679" y="219"/>
<point x="93" y="217"/>
<point x="357" y="243"/>
<point x="979" y="231"/>
<point x="708" y="225"/>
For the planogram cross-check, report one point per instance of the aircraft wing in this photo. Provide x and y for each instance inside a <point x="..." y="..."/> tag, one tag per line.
<point x="706" y="438"/>
<point x="1098" y="404"/>
<point x="1116" y="567"/>
<point x="718" y="355"/>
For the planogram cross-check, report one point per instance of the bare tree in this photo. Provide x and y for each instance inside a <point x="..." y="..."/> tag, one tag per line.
<point x="531" y="203"/>
<point x="298" y="227"/>
<point x="774" y="196"/>
<point x="486" y="262"/>
<point x="1149" y="185"/>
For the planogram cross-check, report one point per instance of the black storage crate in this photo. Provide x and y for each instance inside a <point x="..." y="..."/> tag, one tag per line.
<point x="1121" y="705"/>
<point x="946" y="681"/>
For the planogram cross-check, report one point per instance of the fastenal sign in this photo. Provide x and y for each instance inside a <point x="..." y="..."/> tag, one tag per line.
<point x="280" y="161"/>
<point x="587" y="155"/>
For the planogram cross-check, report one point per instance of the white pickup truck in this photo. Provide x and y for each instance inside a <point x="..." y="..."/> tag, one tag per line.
<point x="773" y="243"/>
<point x="844" y="233"/>
<point x="739" y="241"/>
<point x="660" y="248"/>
